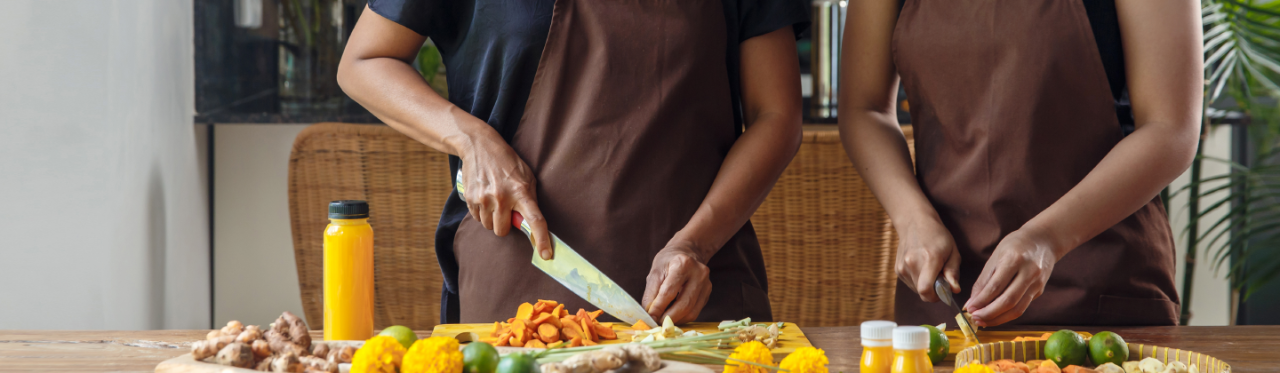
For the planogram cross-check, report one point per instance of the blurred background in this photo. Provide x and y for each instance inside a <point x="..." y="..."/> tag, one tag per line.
<point x="144" y="149"/>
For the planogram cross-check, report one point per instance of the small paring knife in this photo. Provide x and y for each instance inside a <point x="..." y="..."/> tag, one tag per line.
<point x="962" y="319"/>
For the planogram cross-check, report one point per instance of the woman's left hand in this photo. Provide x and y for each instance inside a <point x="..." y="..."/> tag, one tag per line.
<point x="1014" y="276"/>
<point x="678" y="285"/>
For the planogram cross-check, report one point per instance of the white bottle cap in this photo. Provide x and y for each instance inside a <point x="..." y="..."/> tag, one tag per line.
<point x="910" y="338"/>
<point x="877" y="333"/>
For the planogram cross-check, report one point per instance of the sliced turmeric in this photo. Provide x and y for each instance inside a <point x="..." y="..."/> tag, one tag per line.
<point x="542" y="318"/>
<point x="548" y="333"/>
<point x="605" y="332"/>
<point x="575" y="342"/>
<point x="564" y="312"/>
<point x="588" y="342"/>
<point x="595" y="314"/>
<point x="640" y="325"/>
<point x="497" y="328"/>
<point x="534" y="343"/>
<point x="571" y="330"/>
<point x="525" y="311"/>
<point x="589" y="333"/>
<point x="556" y="312"/>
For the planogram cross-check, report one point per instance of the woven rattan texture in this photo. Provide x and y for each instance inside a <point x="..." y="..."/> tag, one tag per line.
<point x="828" y="245"/>
<point x="406" y="184"/>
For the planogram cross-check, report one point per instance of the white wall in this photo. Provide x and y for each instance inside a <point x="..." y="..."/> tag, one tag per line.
<point x="104" y="215"/>
<point x="255" y="275"/>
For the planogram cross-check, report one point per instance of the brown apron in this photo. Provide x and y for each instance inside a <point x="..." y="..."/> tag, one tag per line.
<point x="1011" y="109"/>
<point x="627" y="123"/>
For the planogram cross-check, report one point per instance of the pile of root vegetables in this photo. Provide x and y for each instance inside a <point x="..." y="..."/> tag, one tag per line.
<point x="547" y="324"/>
<point x="284" y="347"/>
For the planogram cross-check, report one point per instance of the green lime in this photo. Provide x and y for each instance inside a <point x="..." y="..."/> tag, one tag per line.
<point x="1108" y="347"/>
<point x="939" y="345"/>
<point x="402" y="334"/>
<point x="517" y="363"/>
<point x="1065" y="348"/>
<point x="479" y="357"/>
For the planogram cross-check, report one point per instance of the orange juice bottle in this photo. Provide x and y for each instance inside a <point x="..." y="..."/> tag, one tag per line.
<point x="877" y="346"/>
<point x="348" y="272"/>
<point x="911" y="350"/>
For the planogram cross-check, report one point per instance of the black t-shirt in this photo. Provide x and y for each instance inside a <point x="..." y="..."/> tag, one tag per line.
<point x="491" y="50"/>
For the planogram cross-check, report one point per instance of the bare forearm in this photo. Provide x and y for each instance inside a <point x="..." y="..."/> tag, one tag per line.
<point x="749" y="171"/>
<point x="878" y="149"/>
<point x="395" y="93"/>
<point x="1129" y="176"/>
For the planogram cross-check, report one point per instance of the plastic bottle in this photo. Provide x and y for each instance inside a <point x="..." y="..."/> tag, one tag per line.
<point x="911" y="350"/>
<point x="877" y="346"/>
<point x="348" y="272"/>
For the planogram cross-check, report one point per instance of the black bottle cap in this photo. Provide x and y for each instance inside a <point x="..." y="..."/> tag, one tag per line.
<point x="348" y="209"/>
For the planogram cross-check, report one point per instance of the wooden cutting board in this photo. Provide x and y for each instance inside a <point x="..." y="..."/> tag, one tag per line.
<point x="791" y="339"/>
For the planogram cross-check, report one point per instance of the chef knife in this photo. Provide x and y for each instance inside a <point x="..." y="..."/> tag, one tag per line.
<point x="578" y="275"/>
<point x="962" y="319"/>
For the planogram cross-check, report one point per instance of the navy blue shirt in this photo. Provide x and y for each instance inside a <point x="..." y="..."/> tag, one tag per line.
<point x="491" y="50"/>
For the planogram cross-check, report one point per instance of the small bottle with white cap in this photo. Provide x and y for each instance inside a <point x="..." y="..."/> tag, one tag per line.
<point x="877" y="346"/>
<point x="911" y="350"/>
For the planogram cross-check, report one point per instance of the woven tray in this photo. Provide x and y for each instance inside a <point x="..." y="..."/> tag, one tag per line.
<point x="1034" y="350"/>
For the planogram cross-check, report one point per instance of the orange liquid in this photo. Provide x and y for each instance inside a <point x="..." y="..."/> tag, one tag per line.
<point x="911" y="361"/>
<point x="877" y="359"/>
<point x="348" y="280"/>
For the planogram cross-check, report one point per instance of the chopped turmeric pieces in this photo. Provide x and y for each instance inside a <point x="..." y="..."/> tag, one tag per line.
<point x="547" y="323"/>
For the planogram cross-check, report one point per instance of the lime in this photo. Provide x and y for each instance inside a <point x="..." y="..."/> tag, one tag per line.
<point x="517" y="363"/>
<point x="939" y="345"/>
<point x="1065" y="348"/>
<point x="402" y="334"/>
<point x="479" y="357"/>
<point x="1108" y="347"/>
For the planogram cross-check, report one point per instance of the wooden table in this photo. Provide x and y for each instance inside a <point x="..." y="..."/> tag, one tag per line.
<point x="1246" y="348"/>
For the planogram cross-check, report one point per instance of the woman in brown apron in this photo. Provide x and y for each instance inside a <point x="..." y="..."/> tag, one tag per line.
<point x="1029" y="184"/>
<point x="616" y="124"/>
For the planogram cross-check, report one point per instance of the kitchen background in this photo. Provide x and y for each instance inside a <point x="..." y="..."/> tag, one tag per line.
<point x="187" y="225"/>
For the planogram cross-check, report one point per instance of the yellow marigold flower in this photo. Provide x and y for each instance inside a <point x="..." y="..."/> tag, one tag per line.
<point x="805" y="360"/>
<point x="381" y="354"/>
<point x="754" y="352"/>
<point x="975" y="367"/>
<point x="433" y="355"/>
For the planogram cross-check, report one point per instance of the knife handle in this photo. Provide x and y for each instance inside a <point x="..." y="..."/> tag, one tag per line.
<point x="516" y="219"/>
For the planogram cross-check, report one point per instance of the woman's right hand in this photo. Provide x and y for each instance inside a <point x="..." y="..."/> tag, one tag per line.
<point x="498" y="182"/>
<point x="925" y="248"/>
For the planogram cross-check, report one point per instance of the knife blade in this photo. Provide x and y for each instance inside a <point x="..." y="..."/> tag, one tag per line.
<point x="578" y="275"/>
<point x="962" y="318"/>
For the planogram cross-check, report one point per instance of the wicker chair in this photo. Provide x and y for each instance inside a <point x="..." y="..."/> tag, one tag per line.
<point x="406" y="184"/>
<point x="828" y="244"/>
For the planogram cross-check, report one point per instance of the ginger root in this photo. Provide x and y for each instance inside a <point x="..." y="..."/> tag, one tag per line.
<point x="204" y="349"/>
<point x="311" y="363"/>
<point x="237" y="355"/>
<point x="289" y="330"/>
<point x="606" y="359"/>
<point x="233" y="328"/>
<point x="320" y="349"/>
<point x="341" y="355"/>
<point x="261" y="349"/>
<point x="286" y="362"/>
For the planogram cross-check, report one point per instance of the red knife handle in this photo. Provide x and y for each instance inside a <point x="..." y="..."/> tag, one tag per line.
<point x="516" y="219"/>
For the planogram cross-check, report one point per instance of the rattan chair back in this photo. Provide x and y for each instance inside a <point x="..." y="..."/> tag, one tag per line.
<point x="828" y="244"/>
<point x="406" y="184"/>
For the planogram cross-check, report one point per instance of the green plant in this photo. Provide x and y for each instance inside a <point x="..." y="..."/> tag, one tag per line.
<point x="1242" y="61"/>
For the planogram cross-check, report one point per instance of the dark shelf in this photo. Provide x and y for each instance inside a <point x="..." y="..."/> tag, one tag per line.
<point x="238" y="71"/>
